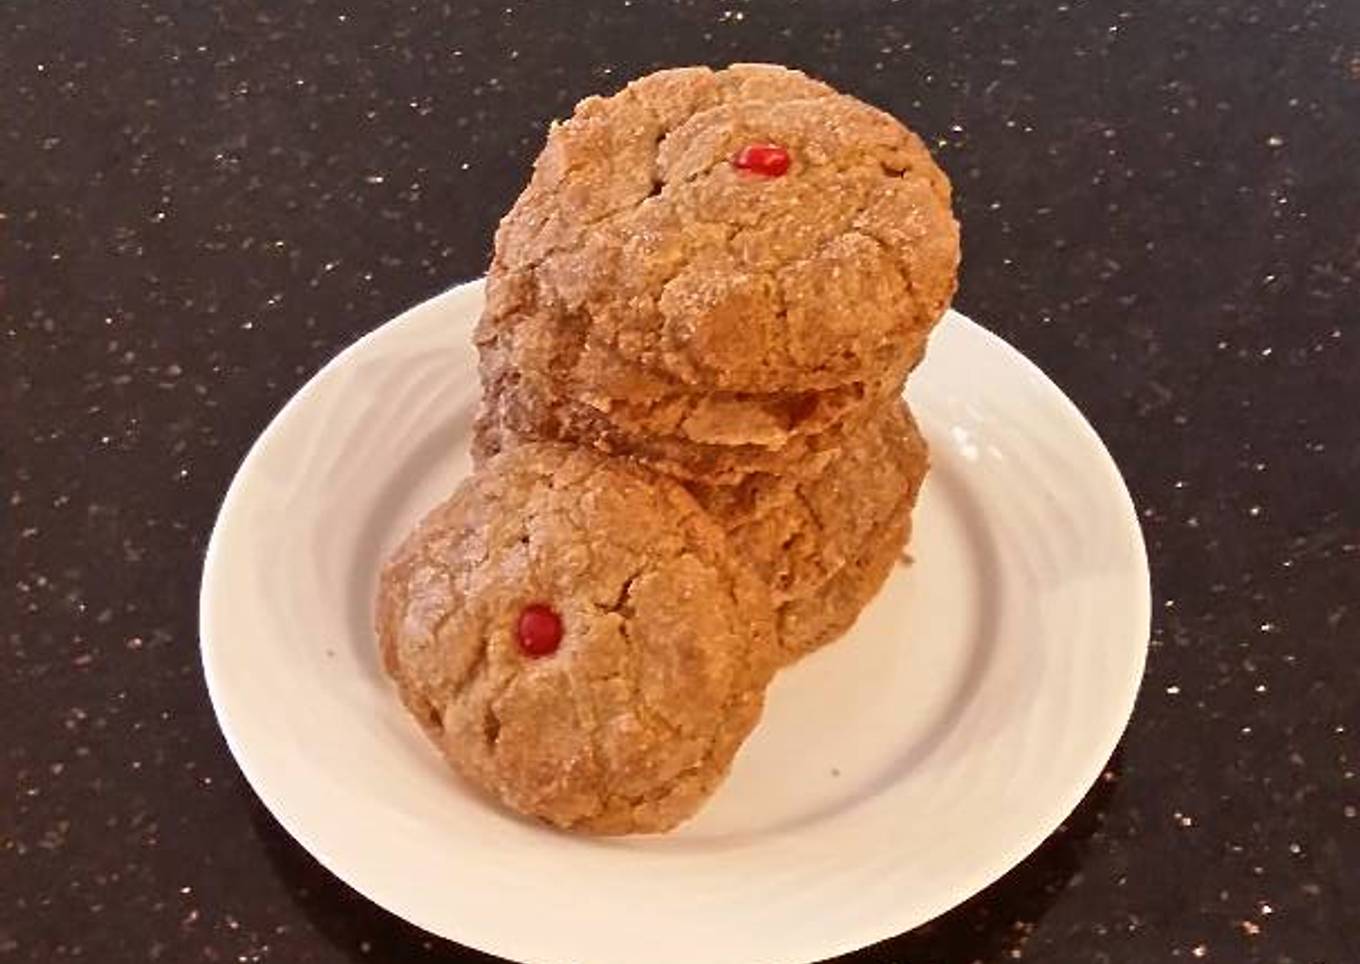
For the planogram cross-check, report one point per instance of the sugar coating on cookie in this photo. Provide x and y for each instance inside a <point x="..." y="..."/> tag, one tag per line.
<point x="810" y="622"/>
<point x="635" y="404"/>
<point x="797" y="533"/>
<point x="639" y="240"/>
<point x="648" y="651"/>
<point x="513" y="413"/>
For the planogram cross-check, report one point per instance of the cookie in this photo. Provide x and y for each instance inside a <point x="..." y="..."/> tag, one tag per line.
<point x="576" y="635"/>
<point x="513" y="412"/>
<point x="798" y="533"/>
<point x="635" y="402"/>
<point x="810" y="622"/>
<point x="746" y="231"/>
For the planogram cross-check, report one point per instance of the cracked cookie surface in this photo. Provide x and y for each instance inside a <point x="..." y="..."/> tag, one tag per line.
<point x="812" y="621"/>
<point x="640" y="256"/>
<point x="642" y="405"/>
<point x="667" y="641"/>
<point x="514" y="410"/>
<point x="798" y="533"/>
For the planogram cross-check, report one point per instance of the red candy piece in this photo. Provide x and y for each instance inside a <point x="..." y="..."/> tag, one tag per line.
<point x="770" y="160"/>
<point x="540" y="630"/>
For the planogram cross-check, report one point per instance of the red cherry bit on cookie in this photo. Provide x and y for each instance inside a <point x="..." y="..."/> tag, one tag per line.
<point x="769" y="160"/>
<point x="540" y="630"/>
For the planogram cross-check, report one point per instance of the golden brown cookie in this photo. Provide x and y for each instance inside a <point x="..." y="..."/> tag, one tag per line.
<point x="650" y="272"/>
<point x="513" y="412"/>
<point x="641" y="405"/>
<point x="576" y="635"/>
<point x="813" y="621"/>
<point x="798" y="533"/>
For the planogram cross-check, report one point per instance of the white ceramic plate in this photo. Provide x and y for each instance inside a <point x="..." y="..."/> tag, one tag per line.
<point x="895" y="773"/>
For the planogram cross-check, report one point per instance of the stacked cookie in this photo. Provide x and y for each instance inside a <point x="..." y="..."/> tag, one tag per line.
<point x="728" y="275"/>
<point x="579" y="639"/>
<point x="693" y="461"/>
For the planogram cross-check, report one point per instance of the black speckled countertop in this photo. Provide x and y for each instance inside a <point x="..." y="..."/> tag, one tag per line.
<point x="199" y="204"/>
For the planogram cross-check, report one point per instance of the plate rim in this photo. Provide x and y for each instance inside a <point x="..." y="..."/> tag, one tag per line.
<point x="916" y="914"/>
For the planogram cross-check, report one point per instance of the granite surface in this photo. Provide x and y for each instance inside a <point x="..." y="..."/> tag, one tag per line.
<point x="200" y="204"/>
